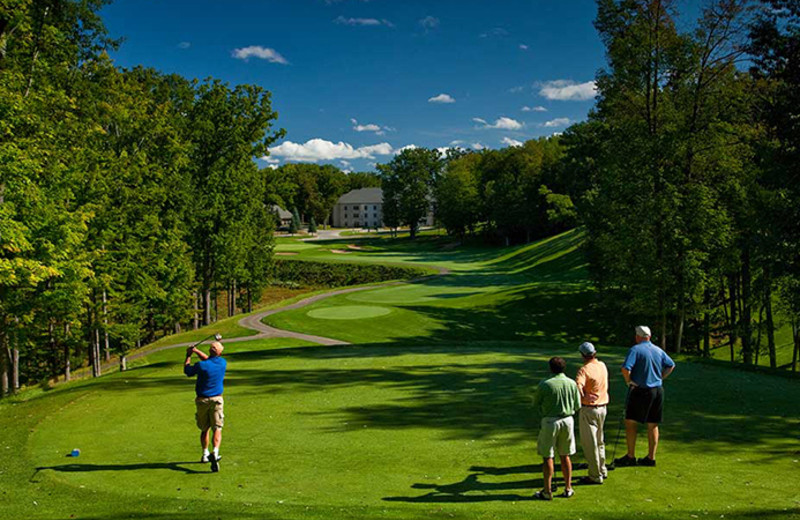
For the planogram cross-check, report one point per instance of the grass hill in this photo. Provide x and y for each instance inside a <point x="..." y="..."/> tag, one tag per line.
<point x="425" y="414"/>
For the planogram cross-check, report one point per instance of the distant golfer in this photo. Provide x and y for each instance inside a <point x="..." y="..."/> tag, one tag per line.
<point x="210" y="372"/>
<point x="556" y="400"/>
<point x="592" y="380"/>
<point x="644" y="370"/>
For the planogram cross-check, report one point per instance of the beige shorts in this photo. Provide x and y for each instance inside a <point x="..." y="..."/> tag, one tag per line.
<point x="556" y="436"/>
<point x="210" y="414"/>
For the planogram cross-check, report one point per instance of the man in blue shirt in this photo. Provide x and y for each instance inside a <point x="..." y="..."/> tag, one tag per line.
<point x="645" y="368"/>
<point x="210" y="372"/>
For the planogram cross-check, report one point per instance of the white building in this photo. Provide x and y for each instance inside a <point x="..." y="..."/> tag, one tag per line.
<point x="360" y="208"/>
<point x="363" y="208"/>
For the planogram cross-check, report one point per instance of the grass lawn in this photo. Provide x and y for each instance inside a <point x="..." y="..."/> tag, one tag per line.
<point x="426" y="415"/>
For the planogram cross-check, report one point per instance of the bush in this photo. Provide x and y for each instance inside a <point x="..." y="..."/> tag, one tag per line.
<point x="337" y="274"/>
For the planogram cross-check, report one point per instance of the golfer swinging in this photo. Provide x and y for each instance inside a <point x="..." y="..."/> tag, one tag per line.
<point x="210" y="372"/>
<point x="644" y="370"/>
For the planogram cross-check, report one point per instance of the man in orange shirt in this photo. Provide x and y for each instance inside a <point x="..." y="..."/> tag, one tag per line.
<point x="592" y="379"/>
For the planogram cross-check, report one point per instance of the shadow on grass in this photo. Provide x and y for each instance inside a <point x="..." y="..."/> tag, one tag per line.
<point x="82" y="468"/>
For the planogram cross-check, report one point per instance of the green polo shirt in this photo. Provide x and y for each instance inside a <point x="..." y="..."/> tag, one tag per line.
<point x="557" y="396"/>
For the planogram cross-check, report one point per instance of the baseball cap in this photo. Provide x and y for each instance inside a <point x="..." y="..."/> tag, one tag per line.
<point x="587" y="349"/>
<point x="642" y="331"/>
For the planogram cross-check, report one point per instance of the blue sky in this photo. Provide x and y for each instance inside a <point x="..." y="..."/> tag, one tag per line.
<point x="356" y="80"/>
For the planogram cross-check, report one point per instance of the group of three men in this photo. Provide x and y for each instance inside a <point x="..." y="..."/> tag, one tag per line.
<point x="558" y="398"/>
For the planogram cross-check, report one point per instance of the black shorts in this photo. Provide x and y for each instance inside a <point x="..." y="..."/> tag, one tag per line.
<point x="645" y="405"/>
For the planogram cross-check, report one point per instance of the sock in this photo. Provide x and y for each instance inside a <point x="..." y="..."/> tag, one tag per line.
<point x="216" y="451"/>
<point x="205" y="452"/>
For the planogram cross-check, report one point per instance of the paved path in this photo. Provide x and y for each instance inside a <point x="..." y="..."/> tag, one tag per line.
<point x="264" y="331"/>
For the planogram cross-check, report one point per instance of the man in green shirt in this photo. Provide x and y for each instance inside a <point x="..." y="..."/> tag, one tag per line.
<point x="557" y="399"/>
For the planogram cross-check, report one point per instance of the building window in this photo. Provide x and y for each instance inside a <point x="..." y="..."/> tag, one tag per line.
<point x="375" y="207"/>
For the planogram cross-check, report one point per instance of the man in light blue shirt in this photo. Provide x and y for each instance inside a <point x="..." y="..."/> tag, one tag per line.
<point x="645" y="368"/>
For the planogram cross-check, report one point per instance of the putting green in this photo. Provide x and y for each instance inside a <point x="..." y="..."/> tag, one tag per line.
<point x="349" y="312"/>
<point x="415" y="293"/>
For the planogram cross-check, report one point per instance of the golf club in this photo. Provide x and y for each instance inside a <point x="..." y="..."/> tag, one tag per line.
<point x="216" y="336"/>
<point x="612" y="466"/>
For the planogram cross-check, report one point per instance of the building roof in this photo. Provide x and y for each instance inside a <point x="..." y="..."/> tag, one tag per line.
<point x="362" y="196"/>
<point x="282" y="213"/>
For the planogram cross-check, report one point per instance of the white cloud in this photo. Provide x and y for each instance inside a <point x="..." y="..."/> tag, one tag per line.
<point x="516" y="90"/>
<point x="501" y="123"/>
<point x="317" y="149"/>
<point x="477" y="146"/>
<point x="271" y="160"/>
<point x="370" y="127"/>
<point x="257" y="51"/>
<point x="511" y="142"/>
<point x="429" y="23"/>
<point x="523" y="46"/>
<point x="406" y="147"/>
<point x="456" y="142"/>
<point x="184" y="45"/>
<point x="364" y="22"/>
<point x="534" y="109"/>
<point x="498" y="32"/>
<point x="568" y="90"/>
<point x="555" y="123"/>
<point x="442" y="98"/>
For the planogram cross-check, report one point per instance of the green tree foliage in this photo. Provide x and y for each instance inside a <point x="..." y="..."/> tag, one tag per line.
<point x="407" y="186"/>
<point x="117" y="187"/>
<point x="312" y="225"/>
<point x="294" y="225"/>
<point x="358" y="180"/>
<point x="458" y="195"/>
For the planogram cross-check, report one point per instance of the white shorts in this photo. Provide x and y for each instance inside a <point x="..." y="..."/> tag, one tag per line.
<point x="556" y="436"/>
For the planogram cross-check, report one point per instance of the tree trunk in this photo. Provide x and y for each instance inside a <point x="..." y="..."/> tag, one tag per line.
<point x="66" y="353"/>
<point x="233" y="298"/>
<point x="14" y="370"/>
<point x="177" y="327"/>
<point x="216" y="304"/>
<point x="123" y="363"/>
<point x="757" y="348"/>
<point x="207" y="306"/>
<point x="773" y="361"/>
<point x="796" y="337"/>
<point x="249" y="298"/>
<point x="679" y="333"/>
<point x="3" y="364"/>
<point x="106" y="350"/>
<point x="707" y="334"/>
<point x="733" y="326"/>
<point x="747" y="350"/>
<point x="195" y="317"/>
<point x="98" y="371"/>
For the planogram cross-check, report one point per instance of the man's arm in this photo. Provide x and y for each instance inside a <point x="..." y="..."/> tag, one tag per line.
<point x="667" y="371"/>
<point x="188" y="368"/>
<point x="626" y="374"/>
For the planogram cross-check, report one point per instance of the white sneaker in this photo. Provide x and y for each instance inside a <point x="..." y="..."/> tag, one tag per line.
<point x="204" y="458"/>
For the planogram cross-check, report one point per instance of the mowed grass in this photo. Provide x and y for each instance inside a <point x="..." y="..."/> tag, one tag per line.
<point x="426" y="415"/>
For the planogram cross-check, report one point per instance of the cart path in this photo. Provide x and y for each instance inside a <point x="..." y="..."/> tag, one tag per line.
<point x="264" y="331"/>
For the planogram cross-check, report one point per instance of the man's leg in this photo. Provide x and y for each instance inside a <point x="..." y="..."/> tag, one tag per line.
<point x="547" y="470"/>
<point x="652" y="440"/>
<point x="630" y="437"/>
<point x="217" y="439"/>
<point x="566" y="470"/>
<point x="588" y="430"/>
<point x="601" y="441"/>
<point x="204" y="439"/>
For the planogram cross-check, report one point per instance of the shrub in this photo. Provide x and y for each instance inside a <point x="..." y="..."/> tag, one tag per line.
<point x="336" y="274"/>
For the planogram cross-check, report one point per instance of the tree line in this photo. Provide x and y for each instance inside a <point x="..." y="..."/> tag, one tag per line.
<point x="685" y="176"/>
<point x="686" y="172"/>
<point x="128" y="198"/>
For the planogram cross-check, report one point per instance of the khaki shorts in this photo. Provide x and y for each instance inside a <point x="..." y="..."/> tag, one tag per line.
<point x="210" y="414"/>
<point x="556" y="435"/>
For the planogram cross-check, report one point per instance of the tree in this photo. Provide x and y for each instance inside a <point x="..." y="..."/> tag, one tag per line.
<point x="312" y="225"/>
<point x="457" y="194"/>
<point x="228" y="127"/>
<point x="294" y="226"/>
<point x="407" y="182"/>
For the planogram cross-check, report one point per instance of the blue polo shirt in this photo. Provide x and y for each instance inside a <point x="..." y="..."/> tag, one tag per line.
<point x="210" y="374"/>
<point x="646" y="363"/>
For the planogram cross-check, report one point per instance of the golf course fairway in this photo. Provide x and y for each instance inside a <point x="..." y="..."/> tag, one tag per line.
<point x="426" y="413"/>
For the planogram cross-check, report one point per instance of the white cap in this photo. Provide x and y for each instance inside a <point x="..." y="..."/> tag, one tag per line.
<point x="643" y="331"/>
<point x="587" y="349"/>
